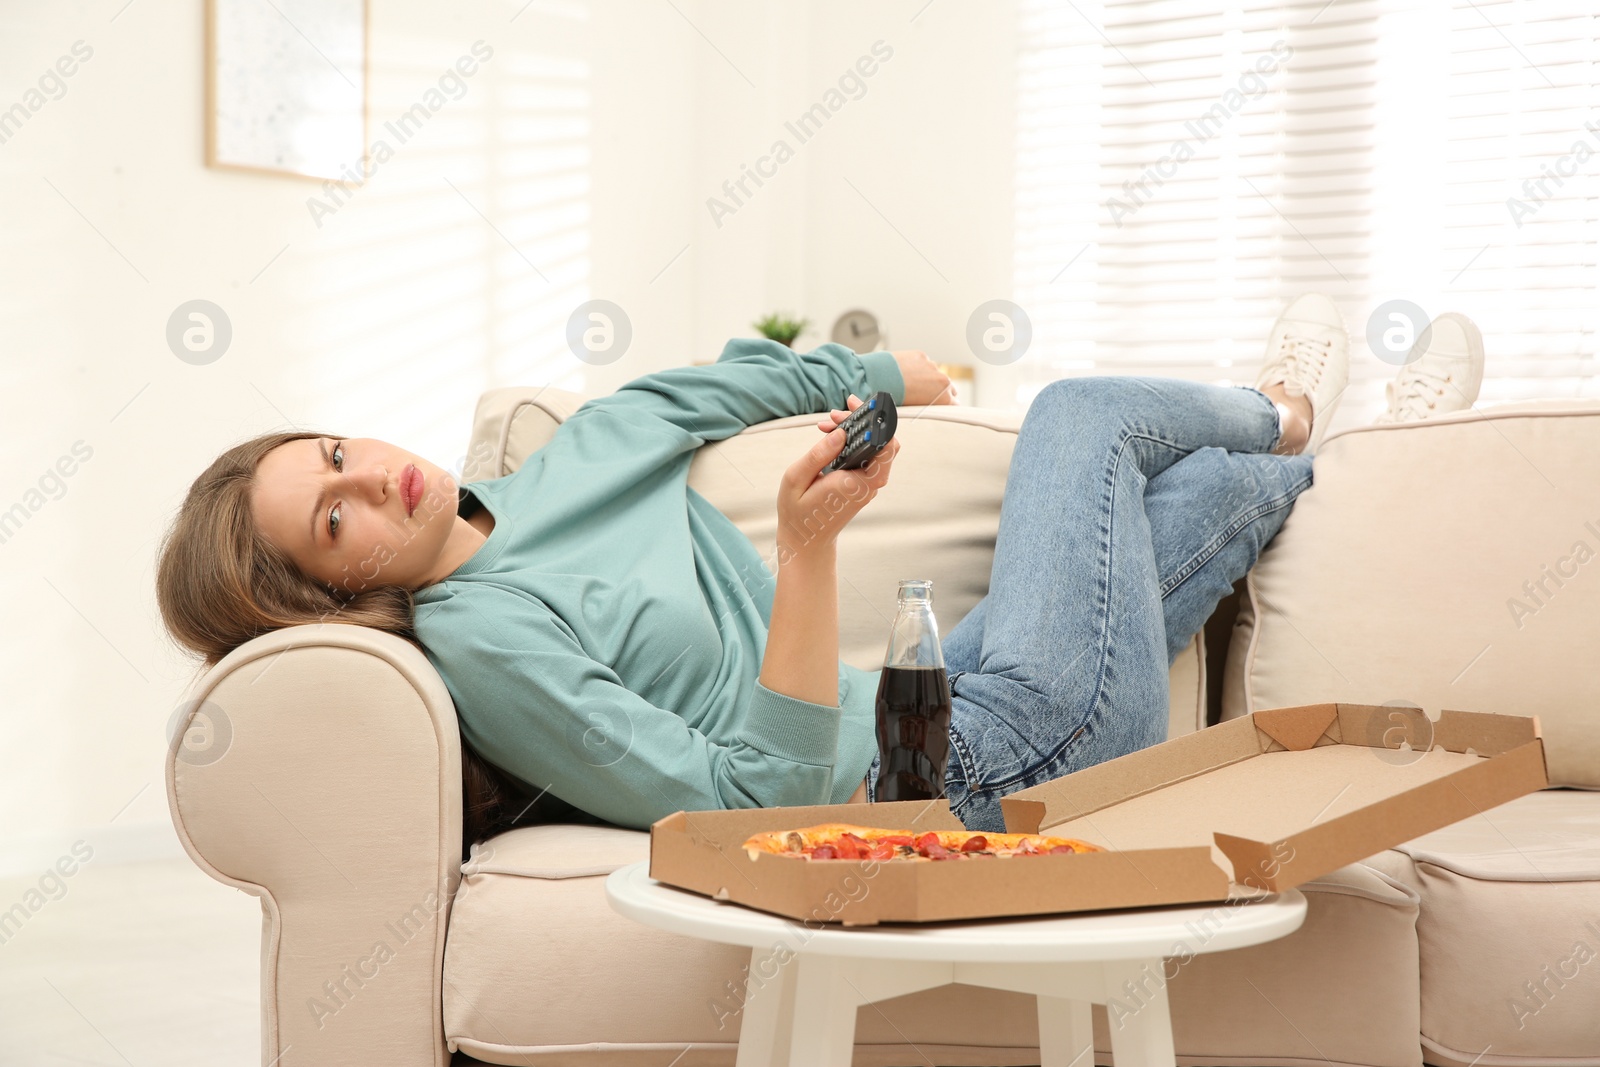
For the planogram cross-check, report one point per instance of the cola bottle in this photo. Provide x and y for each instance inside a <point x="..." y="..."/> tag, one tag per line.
<point x="913" y="702"/>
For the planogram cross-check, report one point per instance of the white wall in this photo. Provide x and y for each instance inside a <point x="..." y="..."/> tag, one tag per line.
<point x="592" y="139"/>
<point x="387" y="320"/>
<point x="900" y="202"/>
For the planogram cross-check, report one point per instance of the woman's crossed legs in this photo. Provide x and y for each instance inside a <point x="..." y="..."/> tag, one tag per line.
<point x="1132" y="506"/>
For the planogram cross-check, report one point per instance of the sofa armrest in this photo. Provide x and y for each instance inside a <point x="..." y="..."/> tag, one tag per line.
<point x="319" y="768"/>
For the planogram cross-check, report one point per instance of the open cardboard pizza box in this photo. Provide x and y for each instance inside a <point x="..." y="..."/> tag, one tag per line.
<point x="1251" y="806"/>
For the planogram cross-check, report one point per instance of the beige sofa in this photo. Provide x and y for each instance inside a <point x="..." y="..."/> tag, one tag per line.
<point x="335" y="795"/>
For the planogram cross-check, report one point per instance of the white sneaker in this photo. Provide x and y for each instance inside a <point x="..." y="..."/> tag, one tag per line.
<point x="1441" y="374"/>
<point x="1309" y="352"/>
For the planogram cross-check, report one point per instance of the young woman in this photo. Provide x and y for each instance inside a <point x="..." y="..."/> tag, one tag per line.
<point x="617" y="650"/>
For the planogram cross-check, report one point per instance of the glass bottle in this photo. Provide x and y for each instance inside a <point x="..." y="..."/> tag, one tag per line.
<point x="913" y="703"/>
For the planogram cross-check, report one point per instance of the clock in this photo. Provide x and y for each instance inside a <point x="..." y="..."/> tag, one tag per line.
<point x="858" y="330"/>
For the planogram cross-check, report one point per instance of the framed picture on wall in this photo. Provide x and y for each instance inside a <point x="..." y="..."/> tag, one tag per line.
<point x="286" y="86"/>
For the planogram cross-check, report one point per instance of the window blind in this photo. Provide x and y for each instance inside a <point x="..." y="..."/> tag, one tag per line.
<point x="1520" y="190"/>
<point x="1186" y="168"/>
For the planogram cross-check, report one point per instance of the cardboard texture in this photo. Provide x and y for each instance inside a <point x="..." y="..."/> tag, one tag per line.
<point x="1258" y="804"/>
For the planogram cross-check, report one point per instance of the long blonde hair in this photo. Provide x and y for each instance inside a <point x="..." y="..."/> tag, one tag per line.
<point x="220" y="583"/>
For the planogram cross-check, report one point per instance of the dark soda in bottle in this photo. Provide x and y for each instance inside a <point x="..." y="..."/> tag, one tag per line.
<point x="913" y="702"/>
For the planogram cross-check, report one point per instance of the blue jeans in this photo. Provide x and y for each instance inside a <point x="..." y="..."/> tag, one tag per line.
<point x="1131" y="507"/>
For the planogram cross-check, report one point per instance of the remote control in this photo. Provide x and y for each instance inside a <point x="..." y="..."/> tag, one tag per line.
<point x="867" y="431"/>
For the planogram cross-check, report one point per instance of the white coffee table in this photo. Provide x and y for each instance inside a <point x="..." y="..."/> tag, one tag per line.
<point x="807" y="979"/>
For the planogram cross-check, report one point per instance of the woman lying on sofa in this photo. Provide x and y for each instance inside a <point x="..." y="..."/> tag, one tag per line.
<point x="612" y="640"/>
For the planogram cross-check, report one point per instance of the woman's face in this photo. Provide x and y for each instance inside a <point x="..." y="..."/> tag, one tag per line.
<point x="351" y="512"/>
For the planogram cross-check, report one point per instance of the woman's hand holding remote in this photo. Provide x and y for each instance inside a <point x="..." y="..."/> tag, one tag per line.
<point x="812" y="510"/>
<point x="802" y="654"/>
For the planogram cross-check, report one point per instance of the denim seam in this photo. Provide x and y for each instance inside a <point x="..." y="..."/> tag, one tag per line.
<point x="1277" y="432"/>
<point x="1221" y="541"/>
<point x="959" y="745"/>
<point x="1098" y="698"/>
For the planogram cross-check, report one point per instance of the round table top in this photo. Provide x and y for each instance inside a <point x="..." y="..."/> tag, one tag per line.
<point x="1138" y="933"/>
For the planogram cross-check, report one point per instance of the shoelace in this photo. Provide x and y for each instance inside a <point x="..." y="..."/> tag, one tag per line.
<point x="1415" y="392"/>
<point x="1303" y="361"/>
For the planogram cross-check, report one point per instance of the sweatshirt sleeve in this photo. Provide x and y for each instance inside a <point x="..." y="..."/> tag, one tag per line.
<point x="533" y="703"/>
<point x="755" y="380"/>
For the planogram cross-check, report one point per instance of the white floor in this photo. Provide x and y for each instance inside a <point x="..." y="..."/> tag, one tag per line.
<point x="138" y="965"/>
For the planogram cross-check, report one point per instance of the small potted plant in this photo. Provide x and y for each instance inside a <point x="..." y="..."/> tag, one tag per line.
<point x="781" y="328"/>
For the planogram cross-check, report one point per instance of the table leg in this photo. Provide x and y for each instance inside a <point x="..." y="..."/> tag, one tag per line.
<point x="1066" y="1033"/>
<point x="1137" y="1011"/>
<point x="827" y="991"/>
<point x="768" y="1015"/>
<point x="824" y="1018"/>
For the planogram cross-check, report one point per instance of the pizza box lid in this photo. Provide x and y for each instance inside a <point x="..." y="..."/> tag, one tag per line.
<point x="1182" y="822"/>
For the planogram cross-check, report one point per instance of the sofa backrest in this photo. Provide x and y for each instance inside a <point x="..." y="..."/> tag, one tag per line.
<point x="936" y="518"/>
<point x="1448" y="563"/>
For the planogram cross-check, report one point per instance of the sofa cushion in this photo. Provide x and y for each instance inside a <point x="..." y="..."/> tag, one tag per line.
<point x="935" y="519"/>
<point x="510" y="424"/>
<point x="539" y="970"/>
<point x="558" y="850"/>
<point x="1510" y="932"/>
<point x="1293" y="1000"/>
<point x="1449" y="563"/>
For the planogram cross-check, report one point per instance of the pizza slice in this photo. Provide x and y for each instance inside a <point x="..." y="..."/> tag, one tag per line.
<point x="849" y="842"/>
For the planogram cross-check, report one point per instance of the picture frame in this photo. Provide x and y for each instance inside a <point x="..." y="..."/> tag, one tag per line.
<point x="286" y="87"/>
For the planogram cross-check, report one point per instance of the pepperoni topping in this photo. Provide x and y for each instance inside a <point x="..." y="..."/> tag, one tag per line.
<point x="929" y="845"/>
<point x="851" y="847"/>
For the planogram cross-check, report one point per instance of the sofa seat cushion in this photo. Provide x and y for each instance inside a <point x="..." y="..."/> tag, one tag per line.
<point x="1292" y="1001"/>
<point x="539" y="970"/>
<point x="558" y="850"/>
<point x="1509" y="932"/>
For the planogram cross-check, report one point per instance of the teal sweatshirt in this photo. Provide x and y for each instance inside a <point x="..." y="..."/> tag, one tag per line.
<point x="605" y="643"/>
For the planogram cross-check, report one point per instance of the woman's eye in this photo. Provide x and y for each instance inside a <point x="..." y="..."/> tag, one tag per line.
<point x="337" y="457"/>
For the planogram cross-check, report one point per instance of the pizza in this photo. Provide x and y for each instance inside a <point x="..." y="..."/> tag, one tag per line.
<point x="843" y="841"/>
